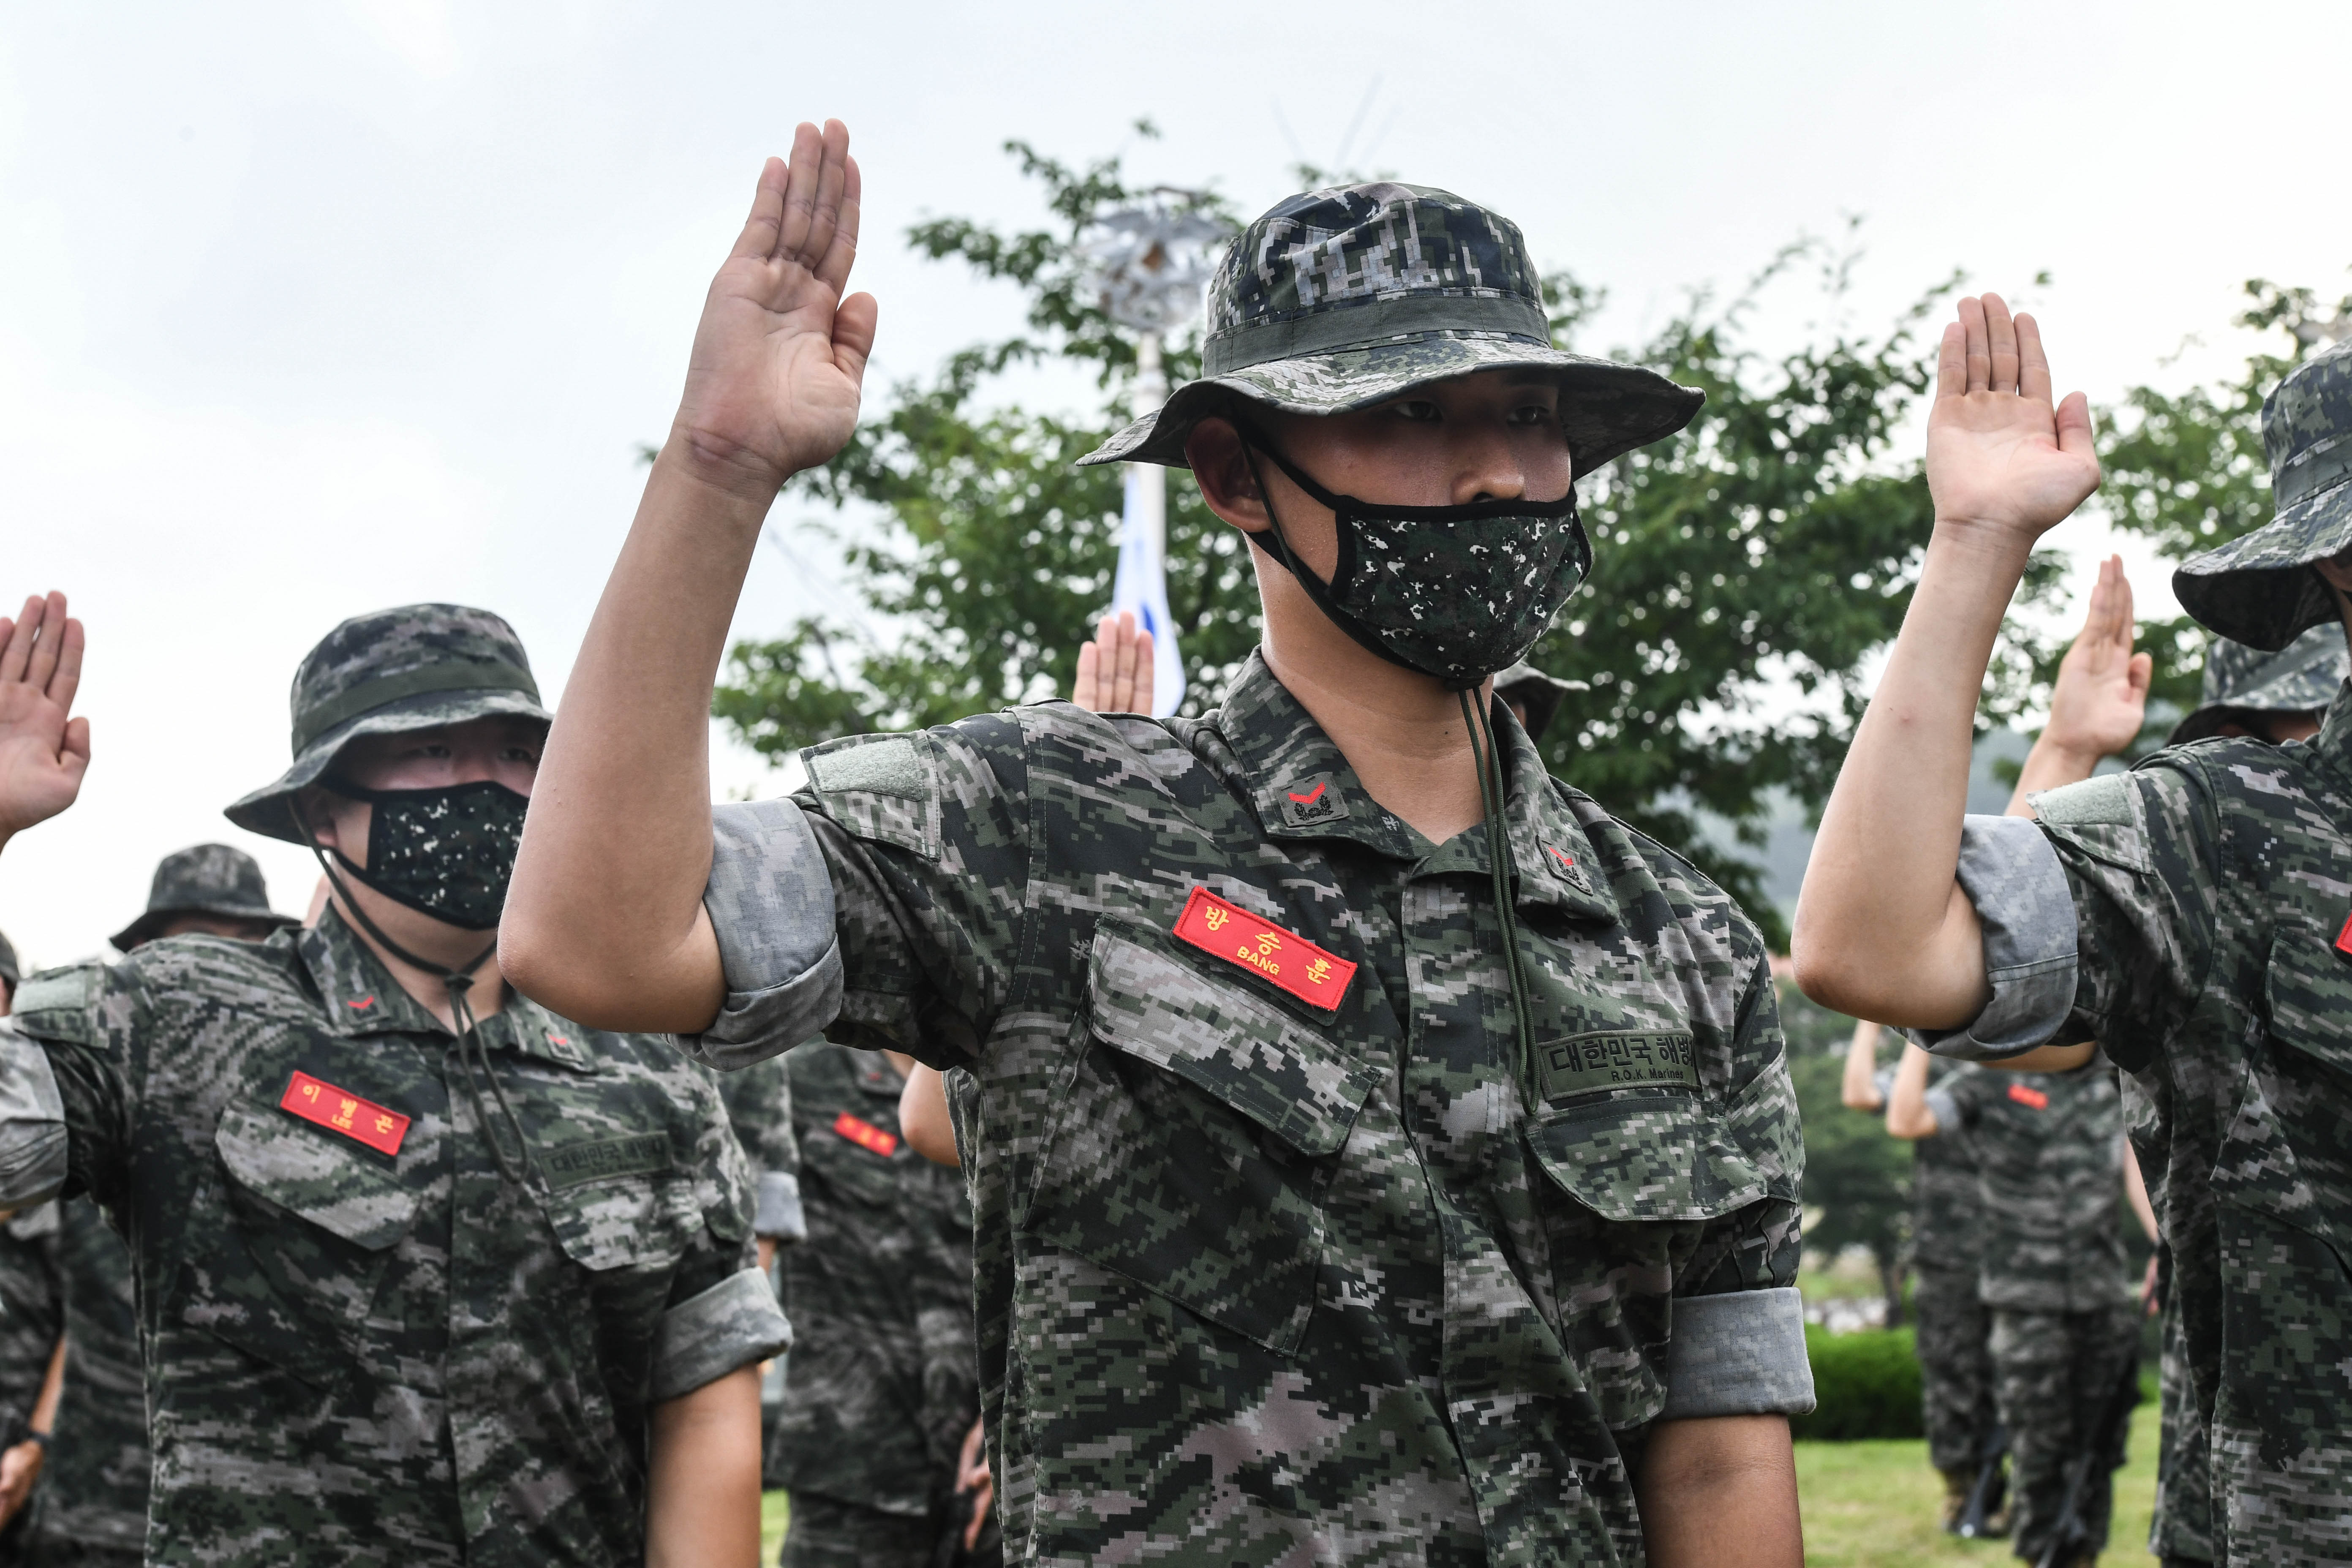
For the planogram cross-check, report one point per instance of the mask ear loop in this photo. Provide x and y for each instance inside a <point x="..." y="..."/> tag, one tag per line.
<point x="457" y="984"/>
<point x="1498" y="843"/>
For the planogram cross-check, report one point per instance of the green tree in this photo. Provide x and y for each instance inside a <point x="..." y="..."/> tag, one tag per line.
<point x="1765" y="553"/>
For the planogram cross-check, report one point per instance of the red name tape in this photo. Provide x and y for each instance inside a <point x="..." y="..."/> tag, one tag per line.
<point x="340" y="1110"/>
<point x="2032" y="1097"/>
<point x="865" y="1135"/>
<point x="1227" y="931"/>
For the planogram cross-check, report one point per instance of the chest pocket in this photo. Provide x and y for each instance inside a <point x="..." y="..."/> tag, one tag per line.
<point x="619" y="1203"/>
<point x="315" y="1223"/>
<point x="1646" y="1156"/>
<point x="2288" y="1151"/>
<point x="1201" y="1126"/>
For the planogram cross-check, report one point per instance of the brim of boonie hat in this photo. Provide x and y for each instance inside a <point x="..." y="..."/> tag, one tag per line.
<point x="1607" y="409"/>
<point x="145" y="928"/>
<point x="265" y="810"/>
<point x="2261" y="590"/>
<point x="2298" y="691"/>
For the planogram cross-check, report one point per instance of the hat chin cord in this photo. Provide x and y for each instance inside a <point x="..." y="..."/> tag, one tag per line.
<point x="458" y="983"/>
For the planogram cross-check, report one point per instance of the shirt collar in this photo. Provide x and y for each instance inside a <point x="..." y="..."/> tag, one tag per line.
<point x="360" y="998"/>
<point x="1303" y="788"/>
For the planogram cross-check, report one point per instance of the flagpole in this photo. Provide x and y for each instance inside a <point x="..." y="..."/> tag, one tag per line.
<point x="1147" y="482"/>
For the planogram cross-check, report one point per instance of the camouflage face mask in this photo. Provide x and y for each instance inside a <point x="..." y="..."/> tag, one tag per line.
<point x="448" y="852"/>
<point x="1455" y="592"/>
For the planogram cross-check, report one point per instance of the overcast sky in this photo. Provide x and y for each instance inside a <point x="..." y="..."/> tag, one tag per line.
<point x="306" y="310"/>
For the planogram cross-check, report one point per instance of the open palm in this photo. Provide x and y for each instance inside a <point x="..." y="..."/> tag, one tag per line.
<point x="2099" y="702"/>
<point x="780" y="355"/>
<point x="43" y="751"/>
<point x="1999" y="455"/>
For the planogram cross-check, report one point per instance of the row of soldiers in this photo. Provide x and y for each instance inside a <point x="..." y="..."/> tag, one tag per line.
<point x="1377" y="1152"/>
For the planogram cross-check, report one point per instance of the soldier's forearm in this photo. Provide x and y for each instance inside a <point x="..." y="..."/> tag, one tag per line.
<point x="1883" y="930"/>
<point x="604" y="922"/>
<point x="702" y="1491"/>
<point x="1721" y="1492"/>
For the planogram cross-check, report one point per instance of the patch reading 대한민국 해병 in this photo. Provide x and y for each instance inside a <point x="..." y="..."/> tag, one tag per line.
<point x="640" y="1154"/>
<point x="1616" y="1058"/>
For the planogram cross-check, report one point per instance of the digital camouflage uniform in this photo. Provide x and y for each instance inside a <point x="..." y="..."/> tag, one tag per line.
<point x="32" y="1316"/>
<point x="367" y="1344"/>
<point x="2245" y="686"/>
<point x="2187" y="915"/>
<point x="759" y="1101"/>
<point x="94" y="1487"/>
<point x="1953" y="1325"/>
<point x="885" y="1382"/>
<point x="1261" y="1280"/>
<point x="2053" y="1275"/>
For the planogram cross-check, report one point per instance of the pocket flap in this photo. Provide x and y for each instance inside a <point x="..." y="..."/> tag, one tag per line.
<point x="307" y="1173"/>
<point x="1645" y="1155"/>
<point x="1244" y="1051"/>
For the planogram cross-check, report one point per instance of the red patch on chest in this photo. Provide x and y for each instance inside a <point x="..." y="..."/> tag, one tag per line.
<point x="2344" y="938"/>
<point x="2034" y="1097"/>
<point x="1226" y="931"/>
<point x="321" y="1103"/>
<point x="865" y="1135"/>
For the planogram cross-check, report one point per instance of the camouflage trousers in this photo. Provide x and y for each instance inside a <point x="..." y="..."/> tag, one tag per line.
<point x="2182" y="1529"/>
<point x="1956" y="1397"/>
<point x="2052" y="1374"/>
<point x="827" y="1534"/>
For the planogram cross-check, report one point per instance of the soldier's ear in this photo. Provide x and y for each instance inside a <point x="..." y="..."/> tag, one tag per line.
<point x="2335" y="571"/>
<point x="1221" y="470"/>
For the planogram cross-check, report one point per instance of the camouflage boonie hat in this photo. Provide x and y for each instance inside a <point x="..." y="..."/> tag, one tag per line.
<point x="209" y="880"/>
<point x="1536" y="692"/>
<point x="386" y="672"/>
<point x="1339" y="298"/>
<point x="2301" y="678"/>
<point x="2261" y="590"/>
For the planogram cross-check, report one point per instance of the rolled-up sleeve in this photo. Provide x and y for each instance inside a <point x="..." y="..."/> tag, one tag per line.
<point x="778" y="1215"/>
<point x="733" y="1324"/>
<point x="1739" y="1353"/>
<point x="34" y="1141"/>
<point x="2012" y="876"/>
<point x="770" y="903"/>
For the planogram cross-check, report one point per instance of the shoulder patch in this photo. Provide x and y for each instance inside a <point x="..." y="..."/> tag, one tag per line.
<point x="54" y="1005"/>
<point x="881" y="764"/>
<point x="882" y="788"/>
<point x="2101" y="802"/>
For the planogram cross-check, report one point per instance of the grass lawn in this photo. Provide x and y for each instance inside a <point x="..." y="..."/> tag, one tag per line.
<point x="1877" y="1504"/>
<point x="773" y="1510"/>
<point x="1866" y="1505"/>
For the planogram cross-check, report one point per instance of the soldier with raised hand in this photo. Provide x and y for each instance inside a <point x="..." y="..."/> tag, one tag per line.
<point x="2097" y="709"/>
<point x="1380" y="1153"/>
<point x="2187" y="915"/>
<point x="425" y="1272"/>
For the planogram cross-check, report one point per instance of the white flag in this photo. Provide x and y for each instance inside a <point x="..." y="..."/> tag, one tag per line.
<point x="1142" y="587"/>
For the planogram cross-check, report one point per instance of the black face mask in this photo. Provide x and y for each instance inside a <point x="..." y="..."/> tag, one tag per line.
<point x="448" y="853"/>
<point x="1455" y="592"/>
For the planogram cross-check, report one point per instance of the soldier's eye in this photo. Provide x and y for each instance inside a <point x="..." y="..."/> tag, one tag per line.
<point x="1531" y="414"/>
<point x="1419" y="410"/>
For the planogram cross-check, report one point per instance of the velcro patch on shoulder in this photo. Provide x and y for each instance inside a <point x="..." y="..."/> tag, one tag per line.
<point x="55" y="1005"/>
<point x="876" y="764"/>
<point x="880" y="787"/>
<point x="2101" y="802"/>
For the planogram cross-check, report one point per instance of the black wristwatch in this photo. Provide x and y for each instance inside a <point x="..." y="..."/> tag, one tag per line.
<point x="26" y="1435"/>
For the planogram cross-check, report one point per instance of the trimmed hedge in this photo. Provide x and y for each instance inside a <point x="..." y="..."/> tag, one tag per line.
<point x="1867" y="1385"/>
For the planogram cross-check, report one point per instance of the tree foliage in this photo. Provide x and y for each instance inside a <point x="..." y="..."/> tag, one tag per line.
<point x="1745" y="569"/>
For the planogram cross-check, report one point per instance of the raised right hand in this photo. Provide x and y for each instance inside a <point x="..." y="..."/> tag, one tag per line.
<point x="2001" y="456"/>
<point x="2099" y="702"/>
<point x="44" y="751"/>
<point x="1114" y="669"/>
<point x="780" y="356"/>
